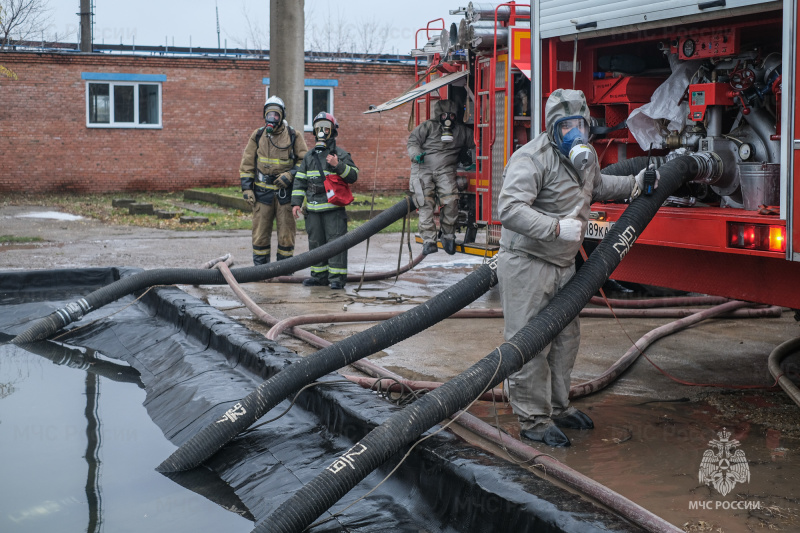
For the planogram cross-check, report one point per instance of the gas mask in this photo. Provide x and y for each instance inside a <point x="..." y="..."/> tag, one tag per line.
<point x="572" y="138"/>
<point x="273" y="119"/>
<point x="448" y="121"/>
<point x="323" y="130"/>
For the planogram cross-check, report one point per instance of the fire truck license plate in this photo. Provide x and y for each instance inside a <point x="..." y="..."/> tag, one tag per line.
<point x="597" y="229"/>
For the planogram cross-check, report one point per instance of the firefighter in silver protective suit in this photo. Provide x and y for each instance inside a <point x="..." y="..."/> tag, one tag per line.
<point x="548" y="186"/>
<point x="269" y="163"/>
<point x="435" y="147"/>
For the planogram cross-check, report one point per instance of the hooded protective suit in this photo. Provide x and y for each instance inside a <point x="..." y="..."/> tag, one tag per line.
<point x="435" y="175"/>
<point x="541" y="187"/>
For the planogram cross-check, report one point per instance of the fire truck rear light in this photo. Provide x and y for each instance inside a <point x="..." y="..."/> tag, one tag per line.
<point x="761" y="237"/>
<point x="777" y="239"/>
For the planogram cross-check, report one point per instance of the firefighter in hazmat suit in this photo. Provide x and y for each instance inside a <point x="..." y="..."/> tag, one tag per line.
<point x="548" y="186"/>
<point x="269" y="163"/>
<point x="435" y="148"/>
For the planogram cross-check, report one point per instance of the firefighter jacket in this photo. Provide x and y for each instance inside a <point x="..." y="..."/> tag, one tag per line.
<point x="540" y="187"/>
<point x="309" y="182"/>
<point x="440" y="157"/>
<point x="274" y="155"/>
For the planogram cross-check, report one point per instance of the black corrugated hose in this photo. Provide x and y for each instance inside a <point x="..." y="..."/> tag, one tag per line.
<point x="295" y="376"/>
<point x="50" y="324"/>
<point x="404" y="427"/>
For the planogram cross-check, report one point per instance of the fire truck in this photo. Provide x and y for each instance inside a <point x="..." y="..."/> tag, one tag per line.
<point x="662" y="79"/>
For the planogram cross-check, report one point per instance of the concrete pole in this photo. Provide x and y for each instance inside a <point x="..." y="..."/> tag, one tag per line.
<point x="287" y="57"/>
<point x="86" y="25"/>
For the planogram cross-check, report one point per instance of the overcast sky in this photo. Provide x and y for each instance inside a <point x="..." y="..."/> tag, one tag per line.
<point x="152" y="22"/>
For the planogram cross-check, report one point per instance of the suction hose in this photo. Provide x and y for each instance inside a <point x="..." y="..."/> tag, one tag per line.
<point x="404" y="427"/>
<point x="295" y="376"/>
<point x="50" y="324"/>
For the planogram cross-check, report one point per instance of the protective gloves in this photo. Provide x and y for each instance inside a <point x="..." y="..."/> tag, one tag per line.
<point x="639" y="188"/>
<point x="419" y="158"/>
<point x="250" y="197"/>
<point x="284" y="181"/>
<point x="570" y="229"/>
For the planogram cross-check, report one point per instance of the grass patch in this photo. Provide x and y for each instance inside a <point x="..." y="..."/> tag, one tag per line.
<point x="360" y="201"/>
<point x="98" y="207"/>
<point x="10" y="239"/>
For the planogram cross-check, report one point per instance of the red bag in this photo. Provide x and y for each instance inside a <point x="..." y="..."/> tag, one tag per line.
<point x="337" y="191"/>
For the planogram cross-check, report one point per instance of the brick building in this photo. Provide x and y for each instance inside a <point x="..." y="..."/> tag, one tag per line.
<point x="107" y="122"/>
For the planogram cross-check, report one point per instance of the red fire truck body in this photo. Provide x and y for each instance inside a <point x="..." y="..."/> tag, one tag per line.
<point x="733" y="237"/>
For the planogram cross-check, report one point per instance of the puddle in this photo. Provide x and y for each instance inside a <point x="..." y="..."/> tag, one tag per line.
<point x="81" y="451"/>
<point x="652" y="454"/>
<point x="54" y="215"/>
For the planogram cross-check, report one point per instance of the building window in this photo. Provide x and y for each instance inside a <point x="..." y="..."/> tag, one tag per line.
<point x="318" y="98"/>
<point x="115" y="100"/>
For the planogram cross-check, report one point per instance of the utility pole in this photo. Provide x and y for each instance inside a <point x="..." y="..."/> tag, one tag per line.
<point x="86" y="25"/>
<point x="287" y="57"/>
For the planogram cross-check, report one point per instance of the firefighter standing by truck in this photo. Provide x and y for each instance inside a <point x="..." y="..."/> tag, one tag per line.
<point x="269" y="164"/>
<point x="548" y="186"/>
<point x="435" y="148"/>
<point x="325" y="220"/>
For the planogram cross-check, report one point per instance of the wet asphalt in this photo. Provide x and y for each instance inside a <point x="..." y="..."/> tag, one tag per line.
<point x="652" y="425"/>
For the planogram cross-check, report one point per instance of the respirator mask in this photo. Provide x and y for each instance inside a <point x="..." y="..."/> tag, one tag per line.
<point x="323" y="130"/>
<point x="273" y="119"/>
<point x="448" y="121"/>
<point x="572" y="138"/>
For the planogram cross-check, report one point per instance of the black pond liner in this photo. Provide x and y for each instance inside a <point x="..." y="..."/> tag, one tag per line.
<point x="196" y="363"/>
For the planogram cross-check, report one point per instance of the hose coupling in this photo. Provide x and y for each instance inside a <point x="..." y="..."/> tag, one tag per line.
<point x="709" y="167"/>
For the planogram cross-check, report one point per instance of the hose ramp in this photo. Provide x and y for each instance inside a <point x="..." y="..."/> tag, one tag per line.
<point x="74" y="310"/>
<point x="196" y="363"/>
<point x="404" y="427"/>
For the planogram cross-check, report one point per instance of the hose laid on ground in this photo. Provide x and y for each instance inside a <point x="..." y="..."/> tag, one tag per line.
<point x="553" y="467"/>
<point x="627" y="359"/>
<point x="404" y="427"/>
<point x="300" y="373"/>
<point x="774" y="363"/>
<point x="375" y="276"/>
<point x="50" y="324"/>
<point x="344" y="317"/>
<point x="365" y="366"/>
<point x="338" y="318"/>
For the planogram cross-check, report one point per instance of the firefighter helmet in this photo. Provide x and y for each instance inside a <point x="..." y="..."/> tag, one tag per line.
<point x="274" y="112"/>
<point x="326" y="124"/>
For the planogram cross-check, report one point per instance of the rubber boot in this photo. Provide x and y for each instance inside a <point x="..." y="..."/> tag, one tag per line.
<point x="571" y="418"/>
<point x="449" y="246"/>
<point x="429" y="248"/>
<point x="545" y="431"/>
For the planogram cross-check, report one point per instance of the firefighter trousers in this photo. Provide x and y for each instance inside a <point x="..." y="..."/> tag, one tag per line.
<point x="264" y="215"/>
<point x="541" y="387"/>
<point x="323" y="227"/>
<point x="427" y="187"/>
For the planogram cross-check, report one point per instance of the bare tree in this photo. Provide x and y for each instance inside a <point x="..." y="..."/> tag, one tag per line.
<point x="256" y="33"/>
<point x="332" y="35"/>
<point x="338" y="35"/>
<point x="22" y="19"/>
<point x="371" y="36"/>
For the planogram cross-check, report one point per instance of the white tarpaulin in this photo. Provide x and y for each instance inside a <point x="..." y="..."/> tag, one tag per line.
<point x="455" y="78"/>
<point x="643" y="121"/>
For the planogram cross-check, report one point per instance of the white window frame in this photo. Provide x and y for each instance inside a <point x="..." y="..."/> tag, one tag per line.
<point x="310" y="85"/>
<point x="123" y="80"/>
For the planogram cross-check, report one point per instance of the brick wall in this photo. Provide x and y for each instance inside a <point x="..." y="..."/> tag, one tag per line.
<point x="209" y="108"/>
